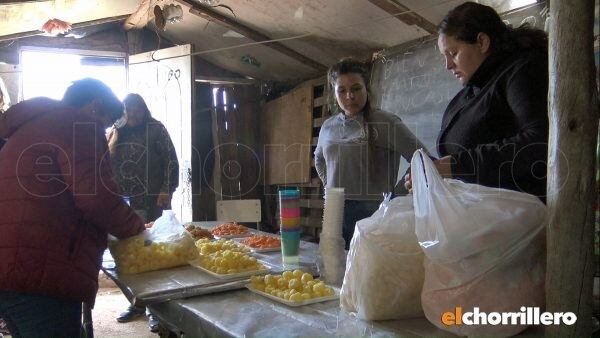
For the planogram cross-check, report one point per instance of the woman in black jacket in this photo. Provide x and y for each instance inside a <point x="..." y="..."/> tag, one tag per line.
<point x="495" y="130"/>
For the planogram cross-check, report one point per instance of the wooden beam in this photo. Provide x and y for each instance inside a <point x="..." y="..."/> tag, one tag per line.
<point x="214" y="16"/>
<point x="73" y="27"/>
<point x="225" y="80"/>
<point x="573" y="112"/>
<point x="405" y="15"/>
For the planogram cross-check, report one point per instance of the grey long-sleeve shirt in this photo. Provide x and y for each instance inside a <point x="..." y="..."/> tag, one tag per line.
<point x="342" y="155"/>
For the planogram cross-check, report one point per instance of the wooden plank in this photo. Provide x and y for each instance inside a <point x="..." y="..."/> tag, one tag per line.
<point x="311" y="222"/>
<point x="74" y="26"/>
<point x="405" y="14"/>
<point x="573" y="113"/>
<point x="319" y="101"/>
<point x="214" y="16"/>
<point x="165" y="53"/>
<point x="319" y="81"/>
<point x="314" y="183"/>
<point x="311" y="184"/>
<point x="312" y="203"/>
<point x="287" y="136"/>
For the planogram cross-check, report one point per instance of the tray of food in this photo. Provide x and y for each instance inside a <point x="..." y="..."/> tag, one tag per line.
<point x="293" y="288"/>
<point x="198" y="232"/>
<point x="206" y="246"/>
<point x="261" y="243"/>
<point x="226" y="259"/>
<point x="232" y="275"/>
<point x="230" y="230"/>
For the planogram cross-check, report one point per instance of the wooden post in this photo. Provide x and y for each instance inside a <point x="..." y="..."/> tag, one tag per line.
<point x="573" y="114"/>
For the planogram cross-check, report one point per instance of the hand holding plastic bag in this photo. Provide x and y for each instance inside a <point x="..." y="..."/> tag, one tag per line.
<point x="384" y="268"/>
<point x="166" y="244"/>
<point x="484" y="247"/>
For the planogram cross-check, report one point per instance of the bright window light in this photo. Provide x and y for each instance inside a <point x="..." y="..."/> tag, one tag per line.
<point x="48" y="74"/>
<point x="521" y="3"/>
<point x="215" y="91"/>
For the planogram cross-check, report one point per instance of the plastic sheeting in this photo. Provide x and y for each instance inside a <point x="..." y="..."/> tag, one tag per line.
<point x="242" y="313"/>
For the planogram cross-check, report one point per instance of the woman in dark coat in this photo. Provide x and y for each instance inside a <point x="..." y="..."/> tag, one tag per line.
<point x="146" y="169"/>
<point x="495" y="130"/>
<point x="144" y="160"/>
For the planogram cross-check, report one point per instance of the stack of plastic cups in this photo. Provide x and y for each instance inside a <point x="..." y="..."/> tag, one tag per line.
<point x="333" y="214"/>
<point x="289" y="213"/>
<point x="331" y="243"/>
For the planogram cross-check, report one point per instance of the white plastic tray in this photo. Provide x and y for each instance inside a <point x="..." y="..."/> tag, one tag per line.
<point x="231" y="275"/>
<point x="296" y="304"/>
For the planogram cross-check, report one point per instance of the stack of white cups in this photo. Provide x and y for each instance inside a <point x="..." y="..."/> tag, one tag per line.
<point x="331" y="243"/>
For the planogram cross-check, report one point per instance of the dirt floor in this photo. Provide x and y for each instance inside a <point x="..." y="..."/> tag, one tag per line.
<point x="110" y="302"/>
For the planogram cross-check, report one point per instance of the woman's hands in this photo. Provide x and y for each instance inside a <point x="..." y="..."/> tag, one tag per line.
<point x="443" y="165"/>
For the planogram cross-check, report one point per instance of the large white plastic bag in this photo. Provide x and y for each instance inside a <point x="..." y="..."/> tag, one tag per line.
<point x="384" y="267"/>
<point x="484" y="247"/>
<point x="165" y="245"/>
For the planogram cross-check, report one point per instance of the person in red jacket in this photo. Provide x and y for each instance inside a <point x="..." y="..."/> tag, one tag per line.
<point x="58" y="202"/>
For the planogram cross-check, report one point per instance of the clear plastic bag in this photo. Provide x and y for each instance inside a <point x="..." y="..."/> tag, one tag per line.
<point x="165" y="245"/>
<point x="484" y="247"/>
<point x="384" y="267"/>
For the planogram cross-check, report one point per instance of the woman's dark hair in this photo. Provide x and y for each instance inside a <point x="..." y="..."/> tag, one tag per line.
<point x="466" y="21"/>
<point x="130" y="99"/>
<point x="137" y="100"/>
<point x="84" y="91"/>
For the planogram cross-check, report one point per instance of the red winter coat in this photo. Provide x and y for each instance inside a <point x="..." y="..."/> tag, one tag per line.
<point x="57" y="201"/>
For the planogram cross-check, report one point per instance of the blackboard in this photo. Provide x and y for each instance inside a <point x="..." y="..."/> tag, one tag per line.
<point x="411" y="80"/>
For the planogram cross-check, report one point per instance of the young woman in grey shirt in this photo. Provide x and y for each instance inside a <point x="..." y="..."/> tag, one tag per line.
<point x="359" y="148"/>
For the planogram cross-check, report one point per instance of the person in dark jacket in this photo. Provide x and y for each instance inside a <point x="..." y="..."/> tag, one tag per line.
<point x="495" y="130"/>
<point x="58" y="202"/>
<point x="144" y="160"/>
<point x="146" y="170"/>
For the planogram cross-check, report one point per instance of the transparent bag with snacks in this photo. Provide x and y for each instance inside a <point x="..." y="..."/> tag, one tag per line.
<point x="484" y="248"/>
<point x="166" y="244"/>
<point x="384" y="266"/>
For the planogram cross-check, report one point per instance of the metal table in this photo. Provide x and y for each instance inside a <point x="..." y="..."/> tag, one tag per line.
<point x="186" y="281"/>
<point x="189" y="302"/>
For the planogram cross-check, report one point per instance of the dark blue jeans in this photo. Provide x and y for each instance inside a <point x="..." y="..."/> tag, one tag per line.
<point x="354" y="211"/>
<point x="29" y="315"/>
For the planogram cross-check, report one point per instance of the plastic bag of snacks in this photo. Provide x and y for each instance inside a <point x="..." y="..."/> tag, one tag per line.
<point x="167" y="244"/>
<point x="384" y="267"/>
<point x="484" y="247"/>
